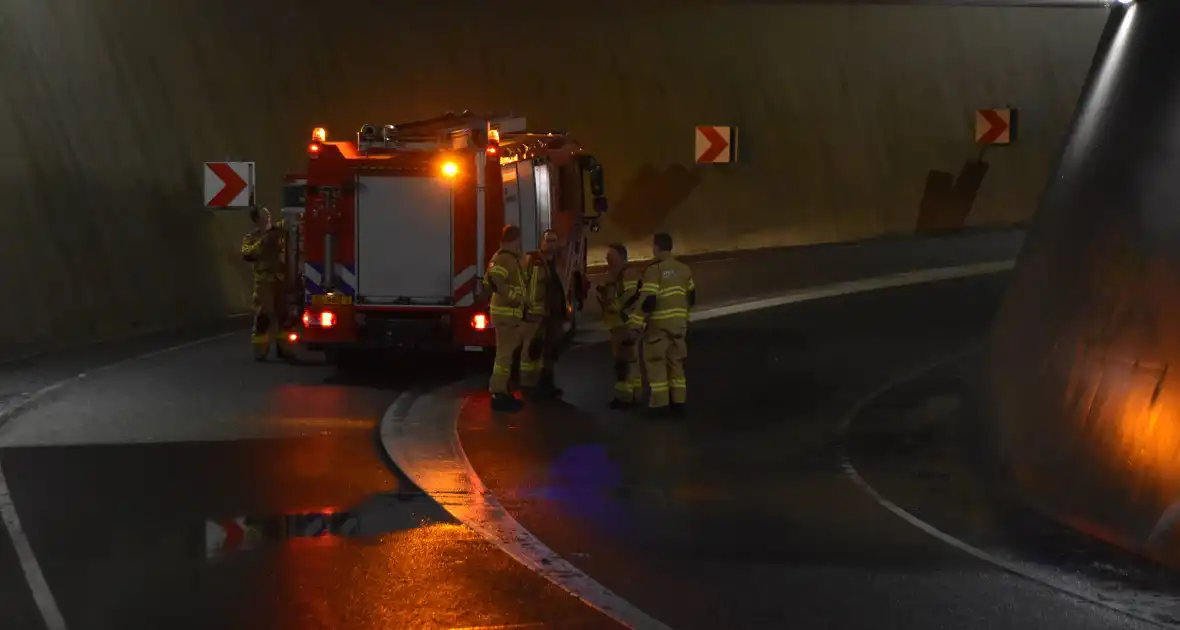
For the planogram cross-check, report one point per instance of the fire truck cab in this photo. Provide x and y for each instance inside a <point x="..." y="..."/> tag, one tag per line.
<point x="401" y="221"/>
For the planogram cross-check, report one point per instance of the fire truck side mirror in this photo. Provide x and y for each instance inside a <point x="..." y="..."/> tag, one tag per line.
<point x="597" y="183"/>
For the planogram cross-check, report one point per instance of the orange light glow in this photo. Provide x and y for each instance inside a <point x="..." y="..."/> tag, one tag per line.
<point x="319" y="134"/>
<point x="306" y="319"/>
<point x="450" y="169"/>
<point x="491" y="150"/>
<point x="292" y="337"/>
<point x="327" y="319"/>
<point x="313" y="148"/>
<point x="479" y="321"/>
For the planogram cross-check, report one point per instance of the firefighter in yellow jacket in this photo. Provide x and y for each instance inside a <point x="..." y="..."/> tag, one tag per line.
<point x="667" y="294"/>
<point x="265" y="248"/>
<point x="618" y="297"/>
<point x="545" y="323"/>
<point x="505" y="278"/>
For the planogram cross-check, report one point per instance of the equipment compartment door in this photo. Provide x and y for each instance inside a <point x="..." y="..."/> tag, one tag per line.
<point x="544" y="198"/>
<point x="526" y="191"/>
<point x="511" y="194"/>
<point x="404" y="240"/>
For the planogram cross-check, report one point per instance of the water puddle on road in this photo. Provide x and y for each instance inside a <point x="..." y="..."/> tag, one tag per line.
<point x="377" y="515"/>
<point x="309" y="532"/>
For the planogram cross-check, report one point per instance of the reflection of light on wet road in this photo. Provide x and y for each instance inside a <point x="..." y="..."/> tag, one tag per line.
<point x="511" y="626"/>
<point x="585" y="482"/>
<point x="328" y="424"/>
<point x="384" y="589"/>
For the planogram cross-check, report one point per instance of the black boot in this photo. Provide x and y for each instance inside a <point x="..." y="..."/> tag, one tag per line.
<point x="506" y="403"/>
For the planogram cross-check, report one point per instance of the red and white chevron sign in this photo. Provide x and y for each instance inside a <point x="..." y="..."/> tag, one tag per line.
<point x="229" y="184"/>
<point x="714" y="145"/>
<point x="993" y="126"/>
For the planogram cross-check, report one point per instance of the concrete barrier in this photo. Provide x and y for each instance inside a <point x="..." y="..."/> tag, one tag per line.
<point x="1086" y="398"/>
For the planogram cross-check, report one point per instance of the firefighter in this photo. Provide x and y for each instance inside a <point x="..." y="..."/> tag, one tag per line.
<point x="617" y="297"/>
<point x="546" y="319"/>
<point x="505" y="279"/>
<point x="667" y="294"/>
<point x="264" y="247"/>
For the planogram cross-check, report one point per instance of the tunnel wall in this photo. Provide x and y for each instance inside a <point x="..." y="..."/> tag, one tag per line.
<point x="1086" y="402"/>
<point x="854" y="122"/>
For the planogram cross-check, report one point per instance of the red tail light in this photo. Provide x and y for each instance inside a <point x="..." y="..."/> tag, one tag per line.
<point x="327" y="319"/>
<point x="306" y="319"/>
<point x="479" y="321"/>
<point x="293" y="337"/>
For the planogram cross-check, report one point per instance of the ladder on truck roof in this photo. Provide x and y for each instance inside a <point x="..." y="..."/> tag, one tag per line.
<point x="434" y="133"/>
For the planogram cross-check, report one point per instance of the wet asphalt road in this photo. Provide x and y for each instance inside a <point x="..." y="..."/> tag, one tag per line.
<point x="739" y="516"/>
<point x="115" y="475"/>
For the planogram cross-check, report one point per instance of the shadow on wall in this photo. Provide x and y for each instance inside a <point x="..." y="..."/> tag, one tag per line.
<point x="947" y="201"/>
<point x="648" y="199"/>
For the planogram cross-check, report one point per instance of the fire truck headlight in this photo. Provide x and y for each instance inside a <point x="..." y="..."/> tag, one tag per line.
<point x="450" y="169"/>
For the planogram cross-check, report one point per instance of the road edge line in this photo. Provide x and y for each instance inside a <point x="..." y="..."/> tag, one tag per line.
<point x="36" y="396"/>
<point x="35" y="578"/>
<point x="849" y="469"/>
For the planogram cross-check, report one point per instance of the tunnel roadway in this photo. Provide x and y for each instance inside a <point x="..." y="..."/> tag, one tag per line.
<point x="738" y="516"/>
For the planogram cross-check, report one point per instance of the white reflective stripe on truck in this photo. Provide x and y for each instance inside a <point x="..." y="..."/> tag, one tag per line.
<point x="465" y="276"/>
<point x="345" y="276"/>
<point x="312" y="274"/>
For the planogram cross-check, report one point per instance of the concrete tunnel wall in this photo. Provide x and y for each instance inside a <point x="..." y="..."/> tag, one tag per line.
<point x="846" y="113"/>
<point x="1087" y="405"/>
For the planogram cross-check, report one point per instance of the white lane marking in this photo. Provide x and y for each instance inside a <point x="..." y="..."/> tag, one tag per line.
<point x="596" y="332"/>
<point x="420" y="434"/>
<point x="35" y="578"/>
<point x="8" y="415"/>
<point x="423" y="442"/>
<point x="853" y="475"/>
<point x="858" y="286"/>
<point x="43" y="596"/>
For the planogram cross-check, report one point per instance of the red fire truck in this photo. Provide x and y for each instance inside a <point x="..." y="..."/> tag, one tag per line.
<point x="401" y="221"/>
